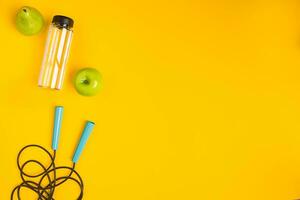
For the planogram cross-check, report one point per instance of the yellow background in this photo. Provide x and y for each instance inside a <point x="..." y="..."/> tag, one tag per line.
<point x="201" y="99"/>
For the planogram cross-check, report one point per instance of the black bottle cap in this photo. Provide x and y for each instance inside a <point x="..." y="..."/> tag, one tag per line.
<point x="63" y="21"/>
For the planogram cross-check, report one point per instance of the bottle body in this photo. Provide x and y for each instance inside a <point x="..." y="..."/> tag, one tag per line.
<point x="55" y="56"/>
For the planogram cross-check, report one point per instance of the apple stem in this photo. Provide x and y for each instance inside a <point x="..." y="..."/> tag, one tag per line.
<point x="86" y="82"/>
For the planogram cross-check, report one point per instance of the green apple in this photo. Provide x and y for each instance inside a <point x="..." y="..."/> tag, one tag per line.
<point x="29" y="21"/>
<point x="88" y="81"/>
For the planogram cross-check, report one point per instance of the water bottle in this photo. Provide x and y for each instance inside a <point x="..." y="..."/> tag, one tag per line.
<point x="56" y="52"/>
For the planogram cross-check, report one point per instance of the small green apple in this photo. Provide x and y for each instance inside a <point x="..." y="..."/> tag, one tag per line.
<point x="29" y="21"/>
<point x="88" y="81"/>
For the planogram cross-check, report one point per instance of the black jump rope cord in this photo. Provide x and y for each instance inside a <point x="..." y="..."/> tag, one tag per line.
<point x="46" y="182"/>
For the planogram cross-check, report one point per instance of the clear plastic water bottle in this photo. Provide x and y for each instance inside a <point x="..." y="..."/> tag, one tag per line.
<point x="56" y="52"/>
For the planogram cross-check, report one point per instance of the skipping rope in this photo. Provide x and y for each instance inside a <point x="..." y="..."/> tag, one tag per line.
<point x="45" y="183"/>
